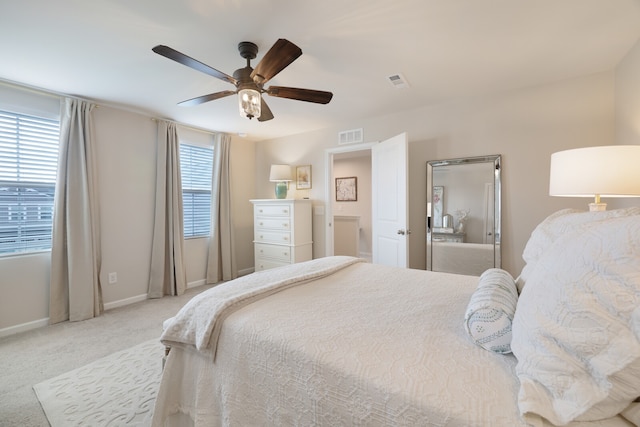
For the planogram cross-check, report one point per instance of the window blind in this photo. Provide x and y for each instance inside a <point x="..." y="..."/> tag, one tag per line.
<point x="28" y="167"/>
<point x="196" y="165"/>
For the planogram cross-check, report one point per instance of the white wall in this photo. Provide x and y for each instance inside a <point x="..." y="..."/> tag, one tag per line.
<point x="627" y="111"/>
<point x="243" y="178"/>
<point x="627" y="98"/>
<point x="525" y="126"/>
<point x="126" y="152"/>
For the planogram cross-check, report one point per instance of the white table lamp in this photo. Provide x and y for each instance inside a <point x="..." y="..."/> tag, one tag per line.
<point x="609" y="171"/>
<point x="281" y="175"/>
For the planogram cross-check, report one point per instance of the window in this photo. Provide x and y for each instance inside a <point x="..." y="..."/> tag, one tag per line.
<point x="28" y="166"/>
<point x="196" y="165"/>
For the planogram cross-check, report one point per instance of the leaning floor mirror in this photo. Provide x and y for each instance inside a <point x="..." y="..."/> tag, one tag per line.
<point x="463" y="215"/>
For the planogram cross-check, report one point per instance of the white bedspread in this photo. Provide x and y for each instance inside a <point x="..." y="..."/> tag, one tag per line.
<point x="199" y="322"/>
<point x="368" y="345"/>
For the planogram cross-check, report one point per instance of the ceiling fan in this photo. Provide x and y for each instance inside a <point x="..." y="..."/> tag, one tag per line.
<point x="250" y="82"/>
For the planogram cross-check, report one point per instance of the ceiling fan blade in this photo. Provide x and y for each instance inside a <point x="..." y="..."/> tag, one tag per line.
<point x="183" y="59"/>
<point x="309" y="95"/>
<point x="281" y="54"/>
<point x="206" y="98"/>
<point x="265" y="111"/>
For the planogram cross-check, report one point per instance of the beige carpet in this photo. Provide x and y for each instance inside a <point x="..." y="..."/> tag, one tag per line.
<point x="117" y="390"/>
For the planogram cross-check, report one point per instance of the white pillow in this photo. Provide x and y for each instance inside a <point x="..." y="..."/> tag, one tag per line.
<point x="556" y="225"/>
<point x="576" y="331"/>
<point x="490" y="311"/>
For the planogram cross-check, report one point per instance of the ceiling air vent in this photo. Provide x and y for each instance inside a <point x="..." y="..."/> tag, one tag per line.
<point x="398" y="81"/>
<point x="350" y="136"/>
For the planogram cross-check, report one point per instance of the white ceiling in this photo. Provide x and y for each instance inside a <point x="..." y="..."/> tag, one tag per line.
<point x="101" y="50"/>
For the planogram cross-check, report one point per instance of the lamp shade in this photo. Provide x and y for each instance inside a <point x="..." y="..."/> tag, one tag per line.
<point x="280" y="173"/>
<point x="609" y="171"/>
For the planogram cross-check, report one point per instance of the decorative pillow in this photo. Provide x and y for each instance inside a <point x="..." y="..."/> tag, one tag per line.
<point x="576" y="331"/>
<point x="556" y="225"/>
<point x="490" y="311"/>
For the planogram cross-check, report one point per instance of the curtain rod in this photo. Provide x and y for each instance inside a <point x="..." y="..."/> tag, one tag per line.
<point x="31" y="88"/>
<point x="98" y="104"/>
<point x="182" y="125"/>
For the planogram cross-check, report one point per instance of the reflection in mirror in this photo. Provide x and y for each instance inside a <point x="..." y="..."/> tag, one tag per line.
<point x="463" y="215"/>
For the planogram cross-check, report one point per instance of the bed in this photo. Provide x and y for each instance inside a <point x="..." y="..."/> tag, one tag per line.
<point x="340" y="342"/>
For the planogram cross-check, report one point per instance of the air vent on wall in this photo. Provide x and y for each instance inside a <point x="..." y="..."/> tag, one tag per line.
<point x="398" y="81"/>
<point x="350" y="136"/>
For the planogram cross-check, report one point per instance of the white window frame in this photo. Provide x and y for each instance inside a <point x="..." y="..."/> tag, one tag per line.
<point x="29" y="147"/>
<point x="196" y="163"/>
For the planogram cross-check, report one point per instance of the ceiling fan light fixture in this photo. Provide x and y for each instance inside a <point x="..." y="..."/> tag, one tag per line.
<point x="249" y="83"/>
<point x="249" y="103"/>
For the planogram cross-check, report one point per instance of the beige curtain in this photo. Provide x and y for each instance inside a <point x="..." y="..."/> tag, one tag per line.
<point x="221" y="263"/>
<point x="167" y="275"/>
<point x="75" y="291"/>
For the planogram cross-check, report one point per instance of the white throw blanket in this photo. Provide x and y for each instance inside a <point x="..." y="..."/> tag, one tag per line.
<point x="199" y="322"/>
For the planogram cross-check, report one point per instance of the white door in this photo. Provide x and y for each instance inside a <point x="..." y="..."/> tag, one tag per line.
<point x="389" y="216"/>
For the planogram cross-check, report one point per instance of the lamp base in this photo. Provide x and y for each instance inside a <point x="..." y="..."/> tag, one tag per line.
<point x="281" y="190"/>
<point x="597" y="207"/>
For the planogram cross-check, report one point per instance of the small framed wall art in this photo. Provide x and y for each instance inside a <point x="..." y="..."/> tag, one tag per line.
<point x="347" y="189"/>
<point x="303" y="177"/>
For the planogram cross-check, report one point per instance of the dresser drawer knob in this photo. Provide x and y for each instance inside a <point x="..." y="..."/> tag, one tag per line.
<point x="285" y="238"/>
<point x="285" y="225"/>
<point x="261" y="223"/>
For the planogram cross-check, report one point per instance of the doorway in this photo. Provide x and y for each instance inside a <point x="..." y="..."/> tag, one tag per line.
<point x="389" y="199"/>
<point x="351" y="204"/>
<point x="346" y="162"/>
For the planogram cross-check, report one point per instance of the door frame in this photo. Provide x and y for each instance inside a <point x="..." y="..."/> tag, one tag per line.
<point x="328" y="199"/>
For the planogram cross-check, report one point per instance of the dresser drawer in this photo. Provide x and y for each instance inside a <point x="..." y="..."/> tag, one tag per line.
<point x="274" y="252"/>
<point x="265" y="264"/>
<point x="282" y="237"/>
<point x="271" y="210"/>
<point x="283" y="223"/>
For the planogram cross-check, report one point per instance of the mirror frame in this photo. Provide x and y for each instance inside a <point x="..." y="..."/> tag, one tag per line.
<point x="496" y="159"/>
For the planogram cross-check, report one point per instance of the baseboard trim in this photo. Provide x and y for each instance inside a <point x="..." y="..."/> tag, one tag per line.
<point x="23" y="327"/>
<point x="196" y="283"/>
<point x="245" y="271"/>
<point x="366" y="255"/>
<point x="143" y="297"/>
<point x="126" y="301"/>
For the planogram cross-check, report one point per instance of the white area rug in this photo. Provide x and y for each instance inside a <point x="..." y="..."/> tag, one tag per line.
<point x="117" y="390"/>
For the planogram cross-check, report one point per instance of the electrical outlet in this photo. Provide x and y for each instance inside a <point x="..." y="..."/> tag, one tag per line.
<point x="113" y="278"/>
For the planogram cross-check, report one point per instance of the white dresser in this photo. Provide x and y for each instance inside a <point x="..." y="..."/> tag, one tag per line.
<point x="281" y="232"/>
